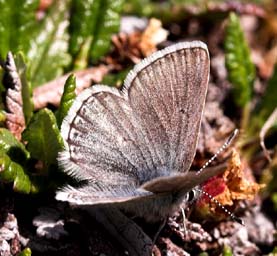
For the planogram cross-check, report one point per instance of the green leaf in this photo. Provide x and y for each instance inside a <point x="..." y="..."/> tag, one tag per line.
<point x="274" y="252"/>
<point x="2" y="89"/>
<point x="25" y="252"/>
<point x="241" y="71"/>
<point x="81" y="61"/>
<point x="203" y="254"/>
<point x="17" y="23"/>
<point x="227" y="251"/>
<point x="11" y="171"/>
<point x="28" y="106"/>
<point x="116" y="79"/>
<point x="12" y="147"/>
<point x="274" y="200"/>
<point x="98" y="20"/>
<point x="49" y="47"/>
<point x="7" y="174"/>
<point x="108" y="23"/>
<point x="67" y="98"/>
<point x="2" y="117"/>
<point x="141" y="7"/>
<point x="43" y="137"/>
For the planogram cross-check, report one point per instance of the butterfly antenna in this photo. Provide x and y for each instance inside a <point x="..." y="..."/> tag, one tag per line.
<point x="220" y="150"/>
<point x="238" y="220"/>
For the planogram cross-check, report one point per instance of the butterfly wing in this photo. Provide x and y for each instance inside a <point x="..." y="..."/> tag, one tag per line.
<point x="118" y="140"/>
<point x="167" y="99"/>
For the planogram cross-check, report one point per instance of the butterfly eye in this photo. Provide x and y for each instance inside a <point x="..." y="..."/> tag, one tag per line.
<point x="191" y="196"/>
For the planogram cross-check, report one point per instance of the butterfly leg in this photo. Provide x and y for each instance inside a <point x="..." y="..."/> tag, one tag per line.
<point x="184" y="219"/>
<point x="161" y="226"/>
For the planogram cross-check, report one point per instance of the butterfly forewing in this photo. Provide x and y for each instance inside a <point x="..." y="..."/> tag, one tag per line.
<point x="118" y="140"/>
<point x="167" y="99"/>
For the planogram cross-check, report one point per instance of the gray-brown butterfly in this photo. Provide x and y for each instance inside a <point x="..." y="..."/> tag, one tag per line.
<point x="134" y="147"/>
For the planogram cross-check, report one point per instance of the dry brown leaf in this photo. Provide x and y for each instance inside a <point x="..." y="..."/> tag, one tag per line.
<point x="265" y="60"/>
<point x="137" y="45"/>
<point x="265" y="41"/>
<point x="10" y="243"/>
<point x="126" y="48"/>
<point x="215" y="128"/>
<point x="238" y="187"/>
<point x="152" y="36"/>
<point x="51" y="92"/>
<point x="227" y="189"/>
<point x="236" y="6"/>
<point x="15" y="120"/>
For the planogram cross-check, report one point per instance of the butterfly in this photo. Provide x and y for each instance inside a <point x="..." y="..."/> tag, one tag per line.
<point x="133" y="147"/>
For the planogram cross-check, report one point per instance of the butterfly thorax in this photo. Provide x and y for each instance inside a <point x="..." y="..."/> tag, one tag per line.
<point x="155" y="208"/>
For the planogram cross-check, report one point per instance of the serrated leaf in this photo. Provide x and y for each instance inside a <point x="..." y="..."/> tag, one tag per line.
<point x="81" y="24"/>
<point x="67" y="99"/>
<point x="43" y="137"/>
<point x="108" y="23"/>
<point x="49" y="47"/>
<point x="98" y="20"/>
<point x="11" y="171"/>
<point x="241" y="71"/>
<point x="15" y="120"/>
<point x="17" y="23"/>
<point x="26" y="92"/>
